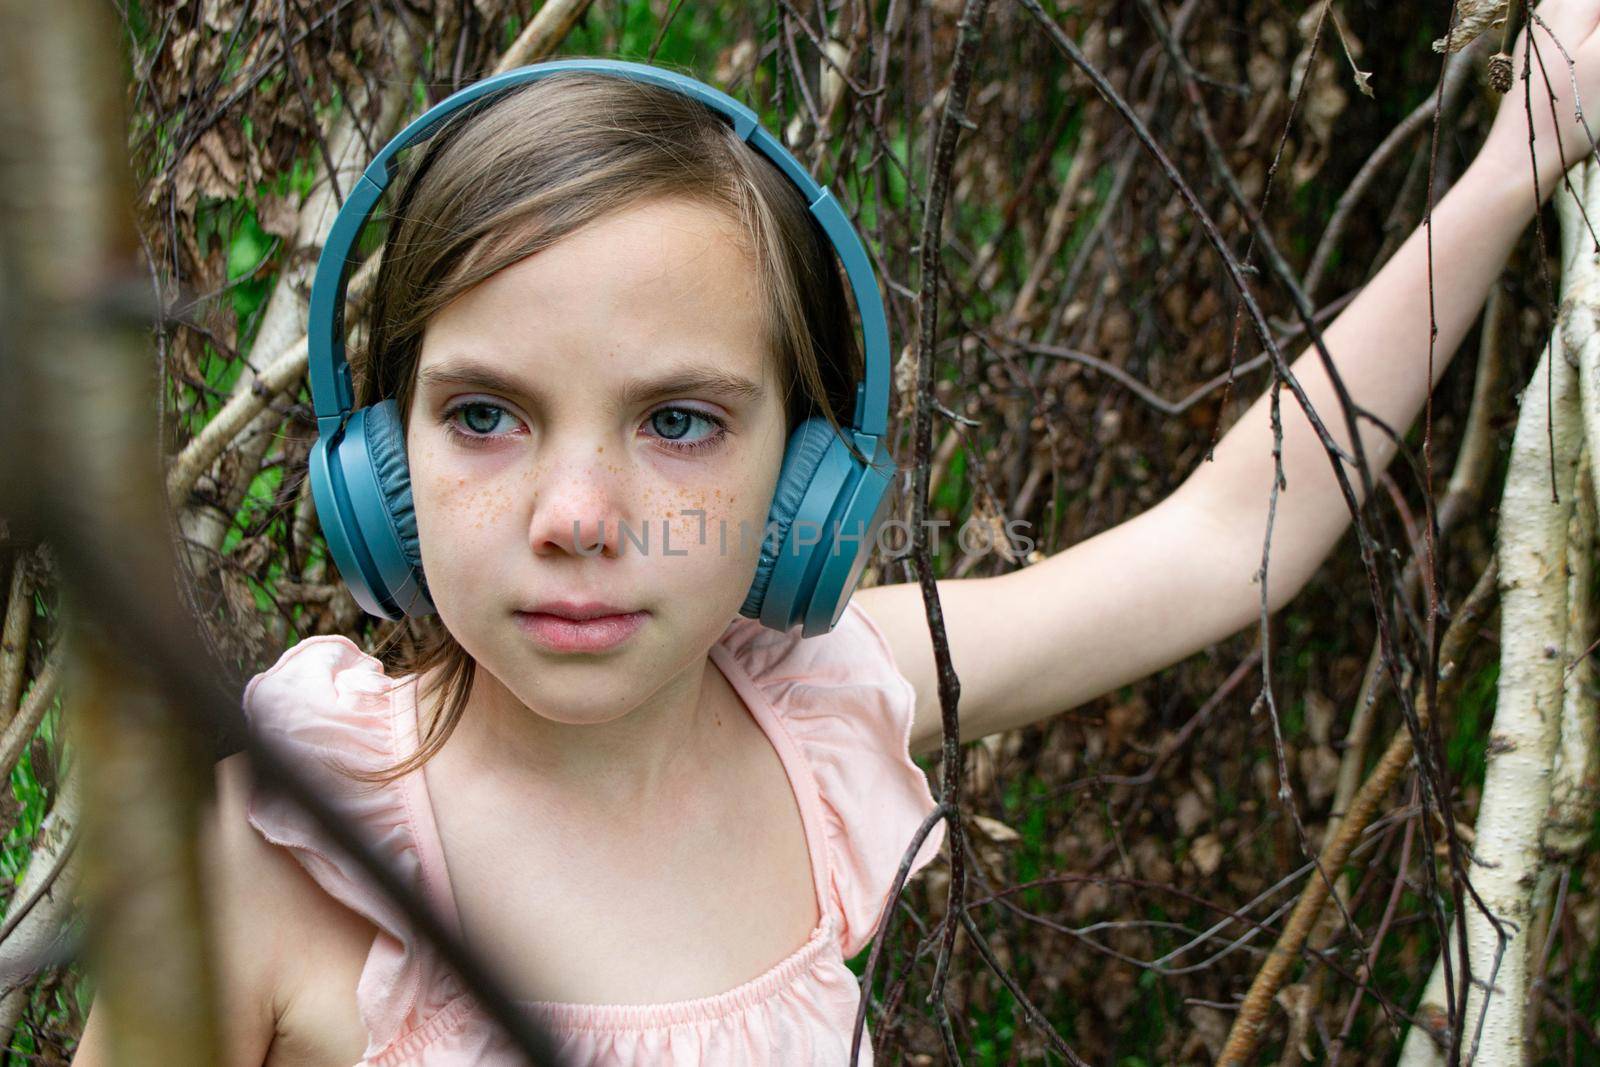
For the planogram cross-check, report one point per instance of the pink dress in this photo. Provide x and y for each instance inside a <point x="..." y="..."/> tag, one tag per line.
<point x="834" y="707"/>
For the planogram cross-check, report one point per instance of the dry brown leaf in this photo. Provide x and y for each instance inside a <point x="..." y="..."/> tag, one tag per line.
<point x="1352" y="51"/>
<point x="345" y="70"/>
<point x="1092" y="898"/>
<point x="1475" y="17"/>
<point x="1190" y="812"/>
<point x="1320" y="713"/>
<point x="1123" y="722"/>
<point x="220" y="15"/>
<point x="1150" y="860"/>
<point x="995" y="830"/>
<point x="1208" y="1032"/>
<point x="735" y="61"/>
<point x="1206" y="853"/>
<point x="1319" y="767"/>
<point x="182" y="47"/>
<point x="207" y="169"/>
<point x="278" y="215"/>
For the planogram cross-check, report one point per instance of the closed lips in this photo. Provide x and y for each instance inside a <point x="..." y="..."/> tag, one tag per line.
<point x="578" y="612"/>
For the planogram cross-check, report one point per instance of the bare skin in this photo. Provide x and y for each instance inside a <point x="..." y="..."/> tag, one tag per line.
<point x="654" y="921"/>
<point x="1124" y="603"/>
<point x="652" y="917"/>
<point x="604" y="876"/>
<point x="635" y="752"/>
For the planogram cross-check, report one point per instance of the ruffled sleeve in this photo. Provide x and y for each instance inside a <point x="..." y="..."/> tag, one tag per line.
<point x="326" y="705"/>
<point x="847" y="707"/>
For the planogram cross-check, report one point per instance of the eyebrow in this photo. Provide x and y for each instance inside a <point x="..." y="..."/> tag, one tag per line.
<point x="701" y="380"/>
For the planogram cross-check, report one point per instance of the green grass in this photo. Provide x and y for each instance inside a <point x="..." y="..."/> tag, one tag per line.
<point x="29" y="794"/>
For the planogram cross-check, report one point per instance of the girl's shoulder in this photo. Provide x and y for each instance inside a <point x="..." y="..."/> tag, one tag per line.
<point x="329" y="708"/>
<point x="843" y="706"/>
<point x="841" y="685"/>
<point x="277" y="935"/>
<point x="332" y="709"/>
<point x="319" y="681"/>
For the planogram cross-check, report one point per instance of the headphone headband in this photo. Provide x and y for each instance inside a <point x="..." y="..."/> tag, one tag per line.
<point x="329" y="371"/>
<point x="832" y="487"/>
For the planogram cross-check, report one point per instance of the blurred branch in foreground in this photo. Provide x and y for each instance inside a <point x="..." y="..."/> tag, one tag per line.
<point x="78" y="390"/>
<point x="81" y="473"/>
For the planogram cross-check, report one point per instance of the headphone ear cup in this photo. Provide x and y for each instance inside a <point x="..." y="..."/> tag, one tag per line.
<point x="392" y="531"/>
<point x="857" y="504"/>
<point x="386" y="445"/>
<point x="779" y="602"/>
<point x="361" y="487"/>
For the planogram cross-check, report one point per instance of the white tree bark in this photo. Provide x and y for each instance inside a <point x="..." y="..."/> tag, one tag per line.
<point x="283" y="323"/>
<point x="47" y="890"/>
<point x="1507" y="853"/>
<point x="14" y="635"/>
<point x="1514" y="810"/>
<point x="1573" y="786"/>
<point x="246" y="422"/>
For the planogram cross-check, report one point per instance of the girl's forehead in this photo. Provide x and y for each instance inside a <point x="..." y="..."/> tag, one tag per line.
<point x="636" y="386"/>
<point x="658" y="290"/>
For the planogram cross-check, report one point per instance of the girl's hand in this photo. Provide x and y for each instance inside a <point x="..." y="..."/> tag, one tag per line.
<point x="1576" y="25"/>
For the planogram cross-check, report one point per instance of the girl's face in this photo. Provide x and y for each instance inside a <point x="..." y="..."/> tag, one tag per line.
<point x="619" y="379"/>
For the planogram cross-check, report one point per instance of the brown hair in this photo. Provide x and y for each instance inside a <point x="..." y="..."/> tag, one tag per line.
<point x="519" y="171"/>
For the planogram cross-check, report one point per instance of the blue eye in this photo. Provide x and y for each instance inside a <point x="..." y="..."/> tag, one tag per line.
<point x="673" y="423"/>
<point x="474" y="422"/>
<point x="481" y="417"/>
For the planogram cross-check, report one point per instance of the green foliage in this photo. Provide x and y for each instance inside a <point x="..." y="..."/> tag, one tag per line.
<point x="691" y="42"/>
<point x="32" y="804"/>
<point x="1467" y="738"/>
<point x="248" y="248"/>
<point x="991" y="1032"/>
<point x="1028" y="808"/>
<point x="29" y="795"/>
<point x="698" y="35"/>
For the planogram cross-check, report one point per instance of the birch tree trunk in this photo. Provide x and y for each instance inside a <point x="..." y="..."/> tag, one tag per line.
<point x="247" y="423"/>
<point x="89" y="486"/>
<point x="47" y="890"/>
<point x="1573" y="785"/>
<point x="1513" y="814"/>
<point x="351" y="142"/>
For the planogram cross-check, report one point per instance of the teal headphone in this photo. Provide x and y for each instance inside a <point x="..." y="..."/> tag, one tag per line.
<point x="826" y="510"/>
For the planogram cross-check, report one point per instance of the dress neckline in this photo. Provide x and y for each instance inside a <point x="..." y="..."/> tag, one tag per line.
<point x="803" y="786"/>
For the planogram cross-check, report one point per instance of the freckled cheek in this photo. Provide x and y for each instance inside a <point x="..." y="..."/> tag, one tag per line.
<point x="709" y="518"/>
<point x="456" y="503"/>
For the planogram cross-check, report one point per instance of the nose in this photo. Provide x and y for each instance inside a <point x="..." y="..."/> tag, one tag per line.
<point x="579" y="501"/>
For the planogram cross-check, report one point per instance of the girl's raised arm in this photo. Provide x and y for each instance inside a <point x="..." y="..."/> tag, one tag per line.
<point x="1182" y="575"/>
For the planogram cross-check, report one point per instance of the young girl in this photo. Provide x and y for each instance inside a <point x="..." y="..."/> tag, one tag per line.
<point x="667" y="831"/>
